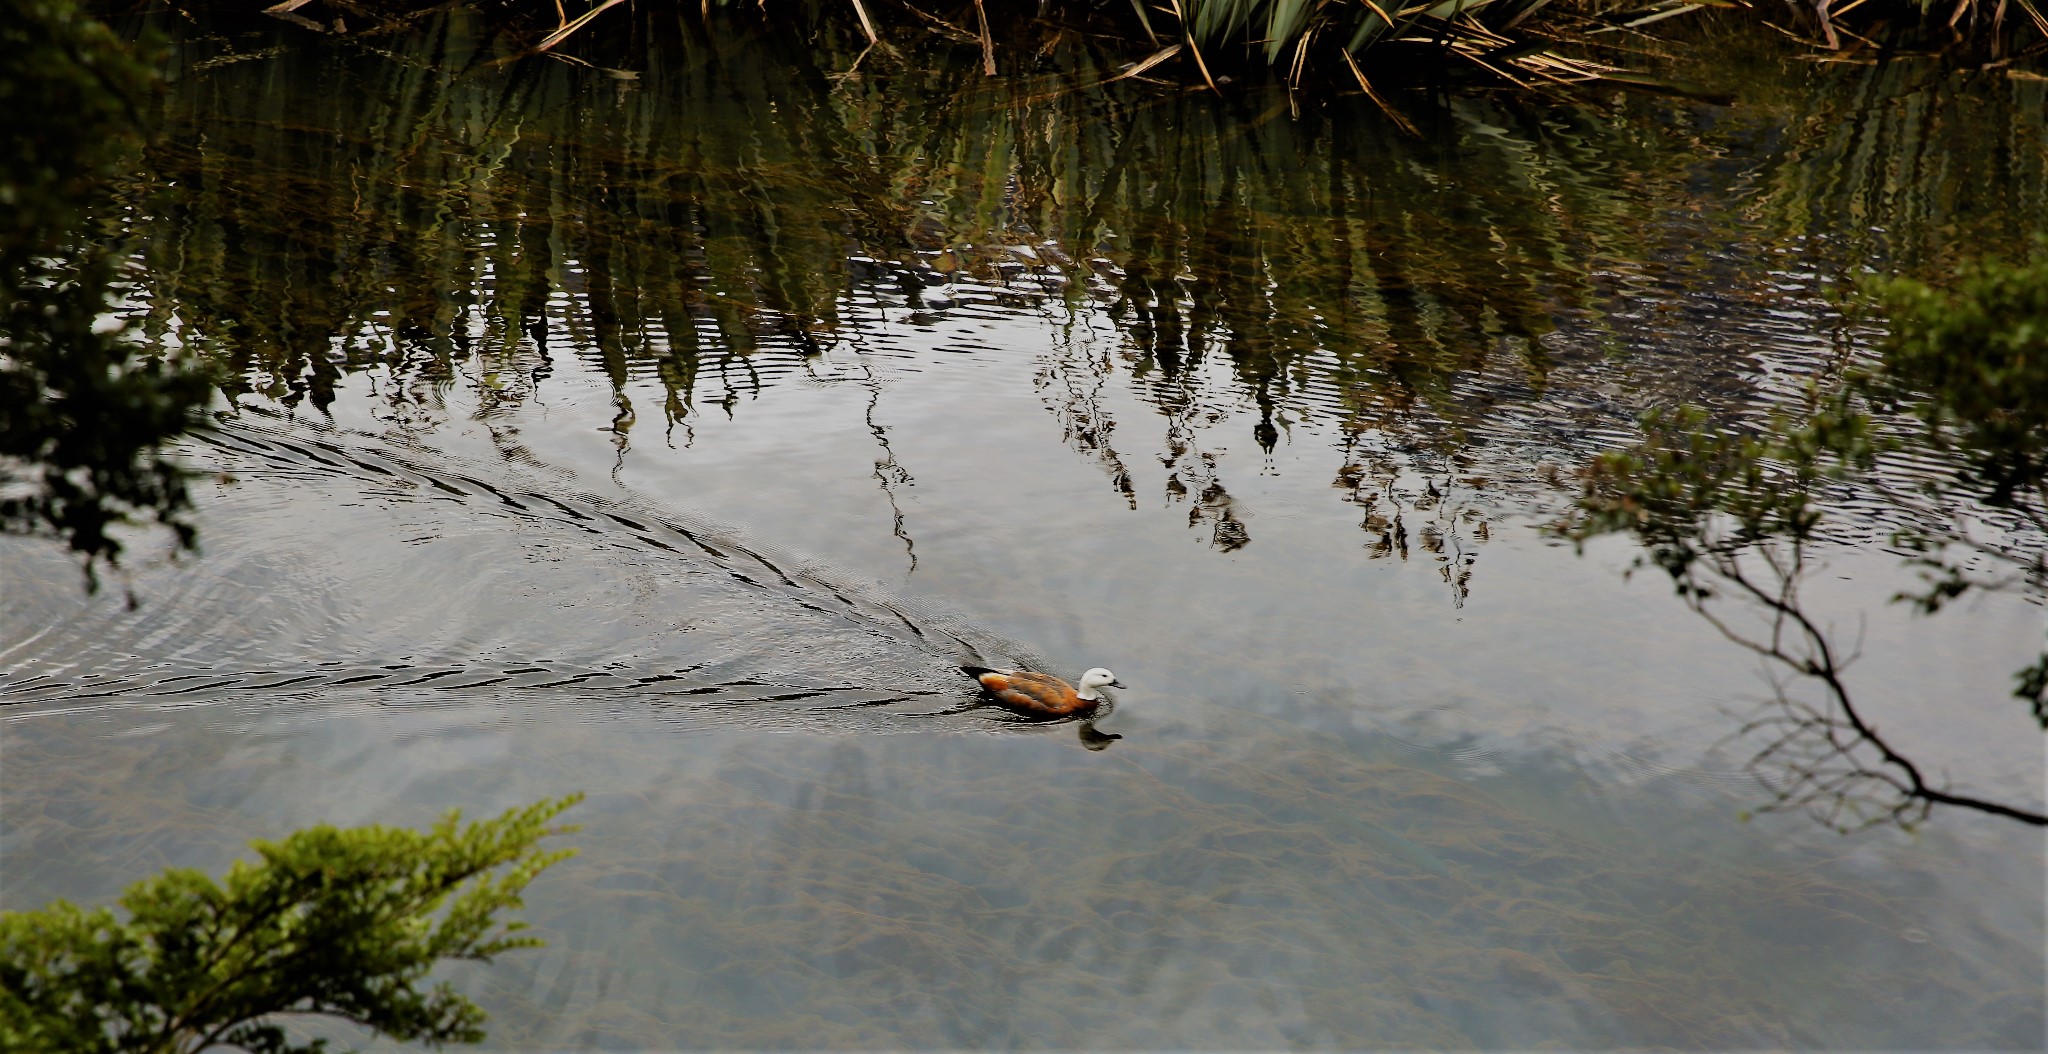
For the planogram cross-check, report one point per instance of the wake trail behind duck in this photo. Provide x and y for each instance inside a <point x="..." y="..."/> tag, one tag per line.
<point x="343" y="568"/>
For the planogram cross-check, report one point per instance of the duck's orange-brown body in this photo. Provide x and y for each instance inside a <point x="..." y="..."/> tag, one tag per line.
<point x="1038" y="694"/>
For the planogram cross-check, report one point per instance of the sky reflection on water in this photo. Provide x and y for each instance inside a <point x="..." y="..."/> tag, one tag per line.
<point x="1397" y="771"/>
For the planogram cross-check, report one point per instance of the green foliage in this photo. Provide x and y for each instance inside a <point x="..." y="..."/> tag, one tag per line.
<point x="1689" y="489"/>
<point x="1972" y="364"/>
<point x="1969" y="364"/>
<point x="1967" y="368"/>
<point x="69" y="90"/>
<point x="80" y="416"/>
<point x="338" y="922"/>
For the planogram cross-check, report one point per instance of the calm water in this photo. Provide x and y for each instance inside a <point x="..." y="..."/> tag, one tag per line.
<point x="671" y="439"/>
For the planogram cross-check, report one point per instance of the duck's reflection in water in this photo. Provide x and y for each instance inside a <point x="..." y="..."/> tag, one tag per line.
<point x="1094" y="738"/>
<point x="1091" y="737"/>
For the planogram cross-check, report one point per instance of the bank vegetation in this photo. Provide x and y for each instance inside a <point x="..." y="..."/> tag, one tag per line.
<point x="1341" y="45"/>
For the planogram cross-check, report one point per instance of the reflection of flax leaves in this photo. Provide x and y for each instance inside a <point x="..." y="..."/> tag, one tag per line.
<point x="438" y="223"/>
<point x="658" y="229"/>
<point x="1298" y="237"/>
<point x="1876" y="163"/>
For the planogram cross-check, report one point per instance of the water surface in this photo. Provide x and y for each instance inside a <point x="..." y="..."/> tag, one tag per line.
<point x="670" y="439"/>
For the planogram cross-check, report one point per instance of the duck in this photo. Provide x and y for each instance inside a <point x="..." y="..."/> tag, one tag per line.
<point x="1042" y="694"/>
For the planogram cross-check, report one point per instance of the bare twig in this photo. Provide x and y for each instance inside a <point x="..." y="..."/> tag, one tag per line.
<point x="1814" y="742"/>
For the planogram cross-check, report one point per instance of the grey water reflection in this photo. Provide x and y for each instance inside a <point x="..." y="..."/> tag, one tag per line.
<point x="1248" y="882"/>
<point x="1255" y="408"/>
<point x="769" y="866"/>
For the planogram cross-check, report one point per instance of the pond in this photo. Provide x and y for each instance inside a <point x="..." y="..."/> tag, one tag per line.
<point x="671" y="431"/>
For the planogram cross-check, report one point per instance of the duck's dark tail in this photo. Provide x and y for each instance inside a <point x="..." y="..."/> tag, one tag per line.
<point x="976" y="671"/>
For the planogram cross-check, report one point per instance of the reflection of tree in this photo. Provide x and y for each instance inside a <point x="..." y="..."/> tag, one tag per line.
<point x="1071" y="381"/>
<point x="428" y="219"/>
<point x="427" y="216"/>
<point x="1077" y="380"/>
<point x="84" y="412"/>
<point x="1949" y="433"/>
<point x="1192" y="472"/>
<point x="1824" y="757"/>
<point x="1439" y="514"/>
<point x="889" y="473"/>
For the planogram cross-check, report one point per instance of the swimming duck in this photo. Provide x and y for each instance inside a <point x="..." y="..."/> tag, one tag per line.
<point x="1042" y="694"/>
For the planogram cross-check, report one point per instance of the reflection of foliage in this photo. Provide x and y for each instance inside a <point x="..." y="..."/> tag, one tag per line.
<point x="1737" y="515"/>
<point x="1448" y="523"/>
<point x="716" y="257"/>
<point x="80" y="416"/>
<point x="69" y="90"/>
<point x="1876" y="166"/>
<point x="345" y="923"/>
<point x="427" y="220"/>
<point x="462" y="198"/>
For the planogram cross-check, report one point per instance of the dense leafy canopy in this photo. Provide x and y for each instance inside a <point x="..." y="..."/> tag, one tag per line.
<point x="1972" y="364"/>
<point x="338" y="922"/>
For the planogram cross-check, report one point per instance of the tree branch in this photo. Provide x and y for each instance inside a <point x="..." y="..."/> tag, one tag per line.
<point x="1817" y="659"/>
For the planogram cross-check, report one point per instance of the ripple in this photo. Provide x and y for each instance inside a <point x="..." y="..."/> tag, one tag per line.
<point x="345" y="570"/>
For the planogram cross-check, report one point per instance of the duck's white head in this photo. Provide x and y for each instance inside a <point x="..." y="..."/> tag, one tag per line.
<point x="1096" y="678"/>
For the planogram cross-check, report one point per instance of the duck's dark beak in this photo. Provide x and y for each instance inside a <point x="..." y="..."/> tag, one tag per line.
<point x="1116" y="684"/>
